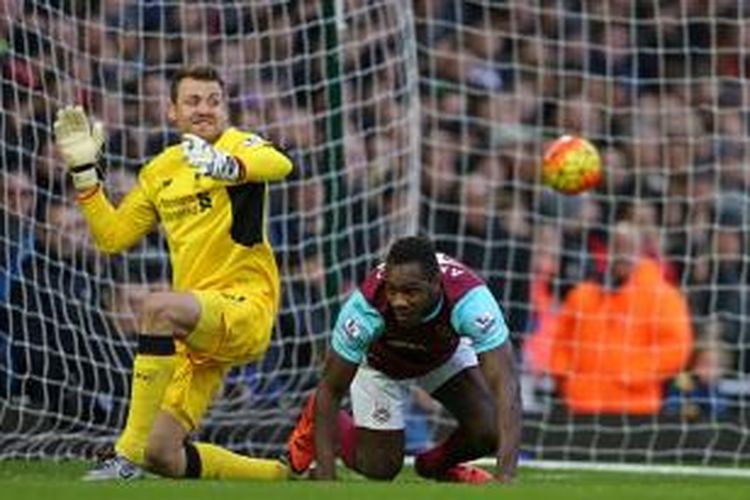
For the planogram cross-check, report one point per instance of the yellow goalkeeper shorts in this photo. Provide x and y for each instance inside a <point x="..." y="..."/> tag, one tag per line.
<point x="234" y="328"/>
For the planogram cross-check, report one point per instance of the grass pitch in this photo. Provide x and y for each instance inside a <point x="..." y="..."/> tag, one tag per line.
<point x="27" y="480"/>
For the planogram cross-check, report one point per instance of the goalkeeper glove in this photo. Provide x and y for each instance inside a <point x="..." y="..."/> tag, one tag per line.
<point x="209" y="161"/>
<point x="79" y="143"/>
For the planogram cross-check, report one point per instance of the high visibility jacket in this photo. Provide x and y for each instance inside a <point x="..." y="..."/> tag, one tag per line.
<point x="615" y="348"/>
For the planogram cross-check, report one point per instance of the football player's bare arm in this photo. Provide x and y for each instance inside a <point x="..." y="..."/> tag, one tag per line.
<point x="499" y="369"/>
<point x="337" y="377"/>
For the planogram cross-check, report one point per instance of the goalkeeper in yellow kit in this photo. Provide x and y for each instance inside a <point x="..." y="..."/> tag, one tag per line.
<point x="209" y="193"/>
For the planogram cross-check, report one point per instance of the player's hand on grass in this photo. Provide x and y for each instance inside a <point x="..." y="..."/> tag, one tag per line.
<point x="209" y="161"/>
<point x="79" y="142"/>
<point x="506" y="478"/>
<point x="317" y="474"/>
<point x="506" y="467"/>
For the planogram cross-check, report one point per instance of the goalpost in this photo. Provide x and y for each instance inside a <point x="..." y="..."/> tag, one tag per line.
<point x="401" y="116"/>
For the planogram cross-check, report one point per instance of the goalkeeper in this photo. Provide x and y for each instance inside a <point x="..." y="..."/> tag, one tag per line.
<point x="209" y="194"/>
<point x="425" y="319"/>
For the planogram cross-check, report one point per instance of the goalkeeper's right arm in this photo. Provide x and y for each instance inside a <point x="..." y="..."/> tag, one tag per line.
<point x="79" y="143"/>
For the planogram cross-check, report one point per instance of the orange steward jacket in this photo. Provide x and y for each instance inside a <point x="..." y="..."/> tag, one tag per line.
<point x="614" y="349"/>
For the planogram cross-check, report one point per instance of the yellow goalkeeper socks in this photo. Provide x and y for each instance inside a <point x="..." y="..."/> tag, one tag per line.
<point x="209" y="461"/>
<point x="152" y="371"/>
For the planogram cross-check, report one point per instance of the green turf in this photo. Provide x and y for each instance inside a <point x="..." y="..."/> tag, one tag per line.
<point x="22" y="480"/>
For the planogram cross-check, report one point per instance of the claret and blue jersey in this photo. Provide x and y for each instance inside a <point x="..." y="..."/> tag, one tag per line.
<point x="366" y="328"/>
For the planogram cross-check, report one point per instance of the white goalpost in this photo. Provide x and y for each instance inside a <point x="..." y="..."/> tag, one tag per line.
<point x="401" y="116"/>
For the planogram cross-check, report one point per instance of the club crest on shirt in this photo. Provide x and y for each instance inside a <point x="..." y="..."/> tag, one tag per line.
<point x="253" y="140"/>
<point x="485" y="321"/>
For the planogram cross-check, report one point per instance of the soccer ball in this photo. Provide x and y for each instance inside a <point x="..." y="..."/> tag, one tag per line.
<point x="571" y="165"/>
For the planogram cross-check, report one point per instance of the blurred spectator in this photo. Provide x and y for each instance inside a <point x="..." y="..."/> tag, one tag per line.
<point x="717" y="288"/>
<point x="619" y="177"/>
<point x="49" y="179"/>
<point x="613" y="51"/>
<point x="544" y="311"/>
<point x="154" y="101"/>
<point x="497" y="244"/>
<point x="578" y="115"/>
<point x="509" y="116"/>
<point x="645" y="217"/>
<point x="470" y="56"/>
<point x="17" y="210"/>
<point x="65" y="352"/>
<point x="619" y="341"/>
<point x="303" y="320"/>
<point x="583" y="251"/>
<point x="694" y="393"/>
<point x="439" y="183"/>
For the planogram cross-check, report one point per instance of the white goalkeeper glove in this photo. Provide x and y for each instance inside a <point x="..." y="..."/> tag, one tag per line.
<point x="79" y="143"/>
<point x="209" y="161"/>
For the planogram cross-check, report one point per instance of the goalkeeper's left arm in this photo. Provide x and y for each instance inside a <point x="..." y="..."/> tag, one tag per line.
<point x="250" y="159"/>
<point x="261" y="161"/>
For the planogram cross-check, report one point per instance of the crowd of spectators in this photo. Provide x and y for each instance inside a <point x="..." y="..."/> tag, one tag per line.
<point x="657" y="86"/>
<point x="658" y="91"/>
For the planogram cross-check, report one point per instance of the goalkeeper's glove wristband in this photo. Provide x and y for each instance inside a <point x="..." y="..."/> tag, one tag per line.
<point x="86" y="176"/>
<point x="227" y="168"/>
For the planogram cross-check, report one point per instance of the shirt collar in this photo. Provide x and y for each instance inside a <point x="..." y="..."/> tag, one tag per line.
<point x="435" y="311"/>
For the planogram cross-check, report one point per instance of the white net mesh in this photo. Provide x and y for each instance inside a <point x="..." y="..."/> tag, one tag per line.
<point x="445" y="103"/>
<point x="658" y="87"/>
<point x="333" y="85"/>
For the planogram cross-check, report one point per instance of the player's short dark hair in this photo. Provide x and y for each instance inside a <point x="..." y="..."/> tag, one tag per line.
<point x="417" y="249"/>
<point x="202" y="73"/>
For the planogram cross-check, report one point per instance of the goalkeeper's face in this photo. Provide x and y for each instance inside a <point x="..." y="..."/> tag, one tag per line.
<point x="200" y="109"/>
<point x="411" y="294"/>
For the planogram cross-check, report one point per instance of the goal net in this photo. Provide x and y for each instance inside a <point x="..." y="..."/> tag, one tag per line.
<point x="334" y="84"/>
<point x="613" y="370"/>
<point x="401" y="116"/>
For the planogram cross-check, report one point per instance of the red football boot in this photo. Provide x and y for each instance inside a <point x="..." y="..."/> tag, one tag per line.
<point x="465" y="473"/>
<point x="301" y="443"/>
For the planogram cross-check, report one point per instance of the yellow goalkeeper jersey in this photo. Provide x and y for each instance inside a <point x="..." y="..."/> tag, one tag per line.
<point x="216" y="230"/>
